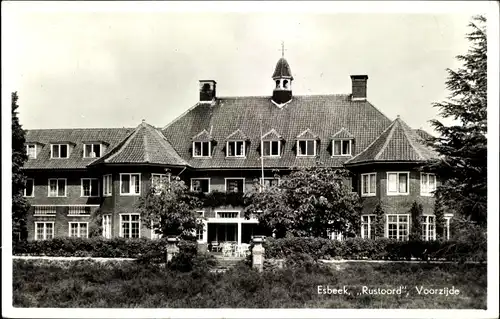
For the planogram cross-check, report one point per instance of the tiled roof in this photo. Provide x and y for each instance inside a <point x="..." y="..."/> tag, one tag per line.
<point x="202" y="136"/>
<point x="324" y="115"/>
<point x="146" y="145"/>
<point x="343" y="133"/>
<point x="282" y="69"/>
<point x="76" y="137"/>
<point x="423" y="134"/>
<point x="237" y="135"/>
<point x="397" y="143"/>
<point x="271" y="135"/>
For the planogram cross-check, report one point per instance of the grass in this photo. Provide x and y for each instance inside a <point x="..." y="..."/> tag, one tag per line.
<point x="82" y="284"/>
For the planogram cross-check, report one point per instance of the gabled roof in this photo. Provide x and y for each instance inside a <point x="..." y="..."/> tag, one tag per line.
<point x="322" y="114"/>
<point x="271" y="135"/>
<point x="307" y="134"/>
<point x="282" y="69"/>
<point x="146" y="145"/>
<point x="203" y="136"/>
<point x="237" y="135"/>
<point x="343" y="134"/>
<point x="77" y="137"/>
<point x="398" y="143"/>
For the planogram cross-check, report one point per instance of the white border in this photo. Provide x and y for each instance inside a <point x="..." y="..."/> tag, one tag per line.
<point x="104" y="194"/>
<point x="397" y="224"/>
<point x="307" y="148"/>
<point x="341" y="140"/>
<point x="52" y="151"/>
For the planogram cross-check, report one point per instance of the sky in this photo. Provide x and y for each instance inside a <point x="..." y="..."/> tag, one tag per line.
<point x="110" y="68"/>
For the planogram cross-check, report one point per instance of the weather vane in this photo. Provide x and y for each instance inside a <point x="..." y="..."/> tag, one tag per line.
<point x="283" y="49"/>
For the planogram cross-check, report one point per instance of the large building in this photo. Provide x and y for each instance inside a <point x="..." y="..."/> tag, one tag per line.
<point x="225" y="144"/>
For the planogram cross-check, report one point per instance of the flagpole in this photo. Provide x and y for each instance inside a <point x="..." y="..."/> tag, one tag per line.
<point x="261" y="155"/>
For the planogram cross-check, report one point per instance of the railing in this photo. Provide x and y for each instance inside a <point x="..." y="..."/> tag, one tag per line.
<point x="73" y="210"/>
<point x="227" y="214"/>
<point x="44" y="210"/>
<point x="79" y="210"/>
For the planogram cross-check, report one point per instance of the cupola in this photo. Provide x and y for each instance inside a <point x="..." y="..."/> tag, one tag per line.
<point x="283" y="78"/>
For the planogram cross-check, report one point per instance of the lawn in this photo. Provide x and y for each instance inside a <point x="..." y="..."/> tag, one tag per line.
<point x="43" y="283"/>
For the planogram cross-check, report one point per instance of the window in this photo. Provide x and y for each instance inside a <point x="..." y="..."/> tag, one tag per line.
<point x="200" y="185"/>
<point x="269" y="182"/>
<point x="427" y="184"/>
<point x="44" y="230"/>
<point x="80" y="230"/>
<point x="92" y="150"/>
<point x="31" y="151"/>
<point x="106" y="226"/>
<point x="57" y="187"/>
<point x="341" y="147"/>
<point x="200" y="232"/>
<point x="397" y="183"/>
<point x="235" y="185"/>
<point x="397" y="227"/>
<point x="271" y="148"/>
<point x="107" y="182"/>
<point x="158" y="182"/>
<point x="446" y="228"/>
<point x="334" y="235"/>
<point x="369" y="184"/>
<point x="236" y="149"/>
<point x="130" y="226"/>
<point x="59" y="151"/>
<point x="90" y="187"/>
<point x="29" y="188"/>
<point x="367" y="226"/>
<point x="306" y="148"/>
<point x="201" y="149"/>
<point x="428" y="228"/>
<point x="130" y="184"/>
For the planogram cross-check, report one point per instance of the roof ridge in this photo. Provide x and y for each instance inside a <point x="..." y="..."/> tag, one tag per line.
<point x="405" y="128"/>
<point x="146" y="147"/>
<point x="387" y="140"/>
<point x="166" y="143"/>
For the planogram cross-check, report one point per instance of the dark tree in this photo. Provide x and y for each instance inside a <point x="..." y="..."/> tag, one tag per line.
<point x="416" y="213"/>
<point x="379" y="224"/>
<point x="462" y="146"/>
<point x="439" y="210"/>
<point x="20" y="205"/>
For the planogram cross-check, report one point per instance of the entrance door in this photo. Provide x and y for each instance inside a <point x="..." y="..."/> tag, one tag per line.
<point x="222" y="232"/>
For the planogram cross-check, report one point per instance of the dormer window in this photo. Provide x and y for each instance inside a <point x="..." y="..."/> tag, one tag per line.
<point x="31" y="151"/>
<point x="59" y="151"/>
<point x="235" y="149"/>
<point x="201" y="149"/>
<point x="271" y="148"/>
<point x="306" y="148"/>
<point x="342" y="147"/>
<point x="92" y="150"/>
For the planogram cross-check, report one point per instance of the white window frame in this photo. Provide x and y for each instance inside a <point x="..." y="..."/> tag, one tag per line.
<point x="425" y="191"/>
<point x="44" y="229"/>
<point x="370" y="192"/>
<point x="85" y="148"/>
<point x="52" y="150"/>
<point x="78" y="229"/>
<point x="341" y="148"/>
<point x="106" y="185"/>
<point x="235" y="148"/>
<point x="271" y="148"/>
<point x="57" y="190"/>
<point x="225" y="183"/>
<point x="106" y="226"/>
<point x="28" y="153"/>
<point x="305" y="155"/>
<point x="130" y="224"/>
<point x="90" y="187"/>
<point x="131" y="186"/>
<point x="200" y="178"/>
<point x="201" y="148"/>
<point x="397" y="226"/>
<point x="335" y="235"/>
<point x="32" y="187"/>
<point x="369" y="224"/>
<point x="446" y="228"/>
<point x="397" y="193"/>
<point x="203" y="231"/>
<point x="426" y="227"/>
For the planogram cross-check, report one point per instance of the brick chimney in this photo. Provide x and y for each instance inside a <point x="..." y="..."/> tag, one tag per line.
<point x="207" y="91"/>
<point x="359" y="87"/>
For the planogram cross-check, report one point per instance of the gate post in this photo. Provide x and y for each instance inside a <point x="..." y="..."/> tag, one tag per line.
<point x="258" y="253"/>
<point x="172" y="248"/>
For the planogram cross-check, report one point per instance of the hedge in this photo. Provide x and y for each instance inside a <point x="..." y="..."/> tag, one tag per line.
<point x="95" y="247"/>
<point x="375" y="249"/>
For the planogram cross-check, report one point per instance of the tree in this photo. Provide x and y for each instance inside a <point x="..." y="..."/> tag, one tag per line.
<point x="20" y="205"/>
<point x="439" y="214"/>
<point x="379" y="222"/>
<point x="308" y="202"/>
<point x="416" y="213"/>
<point x="170" y="209"/>
<point x="462" y="146"/>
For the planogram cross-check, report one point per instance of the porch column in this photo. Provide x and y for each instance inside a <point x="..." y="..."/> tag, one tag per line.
<point x="239" y="232"/>
<point x="205" y="231"/>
